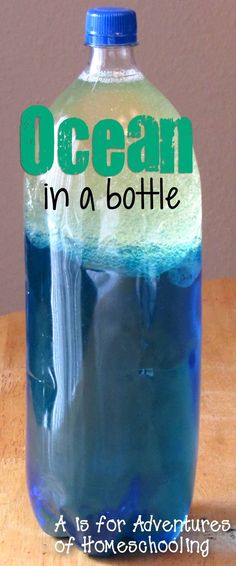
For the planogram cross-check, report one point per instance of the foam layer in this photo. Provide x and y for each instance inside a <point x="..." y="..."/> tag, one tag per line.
<point x="182" y="264"/>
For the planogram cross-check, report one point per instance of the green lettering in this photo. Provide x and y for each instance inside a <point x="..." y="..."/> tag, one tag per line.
<point x="107" y="135"/>
<point x="65" y="149"/>
<point x="143" y="155"/>
<point x="185" y="145"/>
<point x="36" y="157"/>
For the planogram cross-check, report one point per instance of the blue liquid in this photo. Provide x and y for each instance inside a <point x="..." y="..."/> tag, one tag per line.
<point x="113" y="393"/>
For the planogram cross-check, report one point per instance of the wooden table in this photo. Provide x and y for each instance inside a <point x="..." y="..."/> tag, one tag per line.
<point x="22" y="541"/>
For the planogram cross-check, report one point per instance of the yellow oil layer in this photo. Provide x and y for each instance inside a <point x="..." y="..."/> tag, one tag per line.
<point x="172" y="232"/>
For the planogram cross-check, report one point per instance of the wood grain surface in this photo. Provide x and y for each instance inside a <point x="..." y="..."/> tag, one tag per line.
<point x="22" y="541"/>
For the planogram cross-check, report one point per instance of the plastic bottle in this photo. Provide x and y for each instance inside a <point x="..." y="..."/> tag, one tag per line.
<point x="113" y="321"/>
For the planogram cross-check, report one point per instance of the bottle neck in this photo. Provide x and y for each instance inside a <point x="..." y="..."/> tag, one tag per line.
<point x="111" y="63"/>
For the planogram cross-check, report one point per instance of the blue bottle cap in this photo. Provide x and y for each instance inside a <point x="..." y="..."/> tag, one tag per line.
<point x="110" y="26"/>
